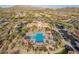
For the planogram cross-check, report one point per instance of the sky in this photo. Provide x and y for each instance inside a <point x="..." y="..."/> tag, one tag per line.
<point x="62" y="6"/>
<point x="49" y="6"/>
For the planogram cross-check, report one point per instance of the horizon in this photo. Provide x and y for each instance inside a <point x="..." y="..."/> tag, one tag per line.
<point x="45" y="6"/>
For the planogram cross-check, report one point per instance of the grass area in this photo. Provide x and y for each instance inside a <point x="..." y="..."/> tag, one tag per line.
<point x="64" y="51"/>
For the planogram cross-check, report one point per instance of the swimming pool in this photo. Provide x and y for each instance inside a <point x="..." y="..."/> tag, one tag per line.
<point x="39" y="37"/>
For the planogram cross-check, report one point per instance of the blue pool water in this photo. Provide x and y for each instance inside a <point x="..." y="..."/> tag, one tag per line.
<point x="39" y="37"/>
